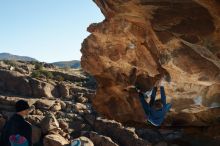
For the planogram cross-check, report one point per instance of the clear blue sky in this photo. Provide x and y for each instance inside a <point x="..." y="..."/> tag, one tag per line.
<point x="48" y="30"/>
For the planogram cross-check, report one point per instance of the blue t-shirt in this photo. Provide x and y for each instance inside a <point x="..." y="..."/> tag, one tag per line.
<point x="156" y="117"/>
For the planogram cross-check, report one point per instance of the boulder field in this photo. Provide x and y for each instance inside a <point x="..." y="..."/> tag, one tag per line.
<point x="138" y="43"/>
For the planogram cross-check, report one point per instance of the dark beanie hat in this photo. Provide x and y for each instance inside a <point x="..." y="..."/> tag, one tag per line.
<point x="21" y="105"/>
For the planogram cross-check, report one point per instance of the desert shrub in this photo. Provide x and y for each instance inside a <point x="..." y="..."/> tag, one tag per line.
<point x="47" y="74"/>
<point x="36" y="74"/>
<point x="38" y="66"/>
<point x="39" y="73"/>
<point x="66" y="68"/>
<point x="59" y="78"/>
<point x="10" y="62"/>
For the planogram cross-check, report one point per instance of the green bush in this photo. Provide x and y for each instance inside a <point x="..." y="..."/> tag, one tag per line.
<point x="36" y="74"/>
<point x="38" y="66"/>
<point x="10" y="62"/>
<point x="59" y="78"/>
<point x="39" y="73"/>
<point x="48" y="74"/>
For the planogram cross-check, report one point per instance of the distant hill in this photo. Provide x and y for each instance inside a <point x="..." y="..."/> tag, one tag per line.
<point x="7" y="56"/>
<point x="71" y="64"/>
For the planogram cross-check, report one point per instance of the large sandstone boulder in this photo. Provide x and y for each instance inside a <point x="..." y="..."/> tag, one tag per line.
<point x="49" y="123"/>
<point x="117" y="132"/>
<point x="43" y="89"/>
<point x="35" y="119"/>
<point x="56" y="107"/>
<point x="80" y="106"/>
<point x="20" y="84"/>
<point x="55" y="140"/>
<point x="63" y="90"/>
<point x="140" y="41"/>
<point x="44" y="104"/>
<point x="14" y="82"/>
<point x="195" y="116"/>
<point x="101" y="140"/>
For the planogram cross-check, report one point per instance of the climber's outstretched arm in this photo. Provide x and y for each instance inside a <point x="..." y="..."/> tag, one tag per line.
<point x="153" y="96"/>
<point x="163" y="96"/>
<point x="144" y="104"/>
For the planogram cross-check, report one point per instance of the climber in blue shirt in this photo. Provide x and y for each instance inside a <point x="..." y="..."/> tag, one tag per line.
<point x="156" y="109"/>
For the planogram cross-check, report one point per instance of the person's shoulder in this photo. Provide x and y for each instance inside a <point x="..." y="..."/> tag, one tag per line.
<point x="13" y="118"/>
<point x="27" y="123"/>
<point x="24" y="123"/>
<point x="16" y="117"/>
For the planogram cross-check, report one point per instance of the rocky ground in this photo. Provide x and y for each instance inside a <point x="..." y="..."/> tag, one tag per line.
<point x="139" y="42"/>
<point x="63" y="112"/>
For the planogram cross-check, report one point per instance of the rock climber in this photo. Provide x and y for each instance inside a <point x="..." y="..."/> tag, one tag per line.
<point x="155" y="110"/>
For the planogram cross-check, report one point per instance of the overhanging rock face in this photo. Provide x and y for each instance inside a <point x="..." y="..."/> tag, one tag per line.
<point x="141" y="40"/>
